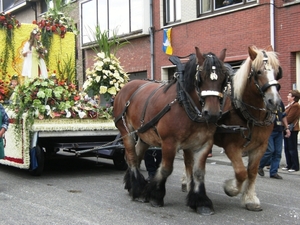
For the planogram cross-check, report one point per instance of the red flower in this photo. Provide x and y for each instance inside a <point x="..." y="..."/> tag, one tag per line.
<point x="34" y="22"/>
<point x="53" y="28"/>
<point x="76" y="98"/>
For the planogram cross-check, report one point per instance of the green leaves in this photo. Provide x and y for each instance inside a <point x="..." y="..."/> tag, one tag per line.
<point x="109" y="44"/>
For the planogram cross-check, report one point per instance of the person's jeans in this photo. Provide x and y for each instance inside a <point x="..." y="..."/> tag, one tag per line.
<point x="273" y="152"/>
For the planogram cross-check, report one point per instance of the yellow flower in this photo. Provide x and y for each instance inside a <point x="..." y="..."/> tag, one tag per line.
<point x="112" y="91"/>
<point x="98" y="78"/>
<point x="103" y="89"/>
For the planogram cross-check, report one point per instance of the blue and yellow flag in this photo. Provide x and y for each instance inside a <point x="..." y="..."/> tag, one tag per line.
<point x="167" y="48"/>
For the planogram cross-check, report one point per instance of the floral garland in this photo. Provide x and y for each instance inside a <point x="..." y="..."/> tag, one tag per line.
<point x="54" y="22"/>
<point x="7" y="22"/>
<point x="106" y="77"/>
<point x="46" y="99"/>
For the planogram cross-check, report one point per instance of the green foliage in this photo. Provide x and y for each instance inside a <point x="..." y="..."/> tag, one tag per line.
<point x="105" y="43"/>
<point x="7" y="22"/>
<point x="43" y="98"/>
<point x="66" y="69"/>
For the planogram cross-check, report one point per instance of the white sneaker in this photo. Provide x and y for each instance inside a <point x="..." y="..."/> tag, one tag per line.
<point x="285" y="168"/>
<point x="291" y="170"/>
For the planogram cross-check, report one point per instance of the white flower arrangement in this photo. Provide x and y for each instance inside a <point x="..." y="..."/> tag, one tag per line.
<point x="106" y="77"/>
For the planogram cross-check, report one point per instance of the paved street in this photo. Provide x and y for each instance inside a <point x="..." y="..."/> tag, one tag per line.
<point x="78" y="191"/>
<point x="220" y="158"/>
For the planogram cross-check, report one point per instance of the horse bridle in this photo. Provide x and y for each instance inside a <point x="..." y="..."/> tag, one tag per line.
<point x="255" y="74"/>
<point x="268" y="120"/>
<point x="205" y="93"/>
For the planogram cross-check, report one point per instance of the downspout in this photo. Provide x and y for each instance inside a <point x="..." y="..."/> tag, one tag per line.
<point x="272" y="22"/>
<point x="34" y="8"/>
<point x="151" y="41"/>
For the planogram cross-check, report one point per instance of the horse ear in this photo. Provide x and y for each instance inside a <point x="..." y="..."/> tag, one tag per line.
<point x="252" y="53"/>
<point x="269" y="48"/>
<point x="199" y="56"/>
<point x="222" y="55"/>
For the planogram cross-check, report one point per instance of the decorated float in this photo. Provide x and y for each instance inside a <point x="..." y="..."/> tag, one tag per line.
<point x="52" y="115"/>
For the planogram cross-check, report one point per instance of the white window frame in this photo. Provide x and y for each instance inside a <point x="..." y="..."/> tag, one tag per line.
<point x="86" y="32"/>
<point x="212" y="6"/>
<point x="172" y="11"/>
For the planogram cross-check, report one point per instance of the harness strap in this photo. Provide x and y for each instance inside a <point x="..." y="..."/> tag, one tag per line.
<point x="128" y="102"/>
<point x="155" y="119"/>
<point x="147" y="102"/>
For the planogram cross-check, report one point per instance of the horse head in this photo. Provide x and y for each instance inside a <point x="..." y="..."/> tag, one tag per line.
<point x="211" y="77"/>
<point x="265" y="72"/>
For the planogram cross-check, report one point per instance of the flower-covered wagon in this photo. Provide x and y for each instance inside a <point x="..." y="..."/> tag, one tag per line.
<point x="48" y="115"/>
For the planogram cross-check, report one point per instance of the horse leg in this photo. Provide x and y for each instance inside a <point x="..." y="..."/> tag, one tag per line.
<point x="249" y="198"/>
<point x="141" y="147"/>
<point x="188" y="173"/>
<point x="197" y="198"/>
<point x="155" y="190"/>
<point x="133" y="179"/>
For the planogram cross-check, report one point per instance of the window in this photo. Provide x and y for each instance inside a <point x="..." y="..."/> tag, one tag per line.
<point x="172" y="9"/>
<point x="45" y="6"/>
<point x="210" y="6"/>
<point x="88" y="20"/>
<point x="6" y="4"/>
<point x="124" y="17"/>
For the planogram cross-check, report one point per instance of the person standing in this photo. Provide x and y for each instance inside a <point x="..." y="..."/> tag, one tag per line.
<point x="13" y="85"/>
<point x="34" y="65"/>
<point x="291" y="144"/>
<point x="4" y="122"/>
<point x="273" y="153"/>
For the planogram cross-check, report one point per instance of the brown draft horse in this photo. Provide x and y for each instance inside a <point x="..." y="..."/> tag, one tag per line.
<point x="252" y="103"/>
<point x="247" y="121"/>
<point x="179" y="115"/>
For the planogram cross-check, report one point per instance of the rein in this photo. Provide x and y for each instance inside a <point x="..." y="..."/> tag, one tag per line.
<point x="188" y="103"/>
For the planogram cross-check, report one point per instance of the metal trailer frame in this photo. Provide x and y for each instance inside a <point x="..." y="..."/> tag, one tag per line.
<point x="103" y="144"/>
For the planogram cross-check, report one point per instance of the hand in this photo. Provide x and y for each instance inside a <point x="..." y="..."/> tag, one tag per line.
<point x="287" y="133"/>
<point x="26" y="53"/>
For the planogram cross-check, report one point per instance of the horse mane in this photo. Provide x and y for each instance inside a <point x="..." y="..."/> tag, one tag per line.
<point x="241" y="76"/>
<point x="191" y="68"/>
<point x="189" y="75"/>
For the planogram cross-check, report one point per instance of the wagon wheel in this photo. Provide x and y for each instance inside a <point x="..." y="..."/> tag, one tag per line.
<point x="40" y="157"/>
<point x="119" y="160"/>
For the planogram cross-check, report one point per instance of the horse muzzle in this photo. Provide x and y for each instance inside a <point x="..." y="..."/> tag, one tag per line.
<point x="211" y="105"/>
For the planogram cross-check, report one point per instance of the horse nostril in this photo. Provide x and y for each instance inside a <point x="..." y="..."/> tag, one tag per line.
<point x="205" y="113"/>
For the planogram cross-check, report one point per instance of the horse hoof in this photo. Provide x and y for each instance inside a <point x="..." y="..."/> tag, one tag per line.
<point x="205" y="211"/>
<point x="253" y="207"/>
<point x="143" y="200"/>
<point x="183" y="187"/>
<point x="155" y="203"/>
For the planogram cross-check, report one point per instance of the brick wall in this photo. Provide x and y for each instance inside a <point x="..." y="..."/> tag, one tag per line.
<point x="234" y="31"/>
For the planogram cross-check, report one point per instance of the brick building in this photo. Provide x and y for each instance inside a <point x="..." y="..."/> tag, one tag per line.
<point x="210" y="25"/>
